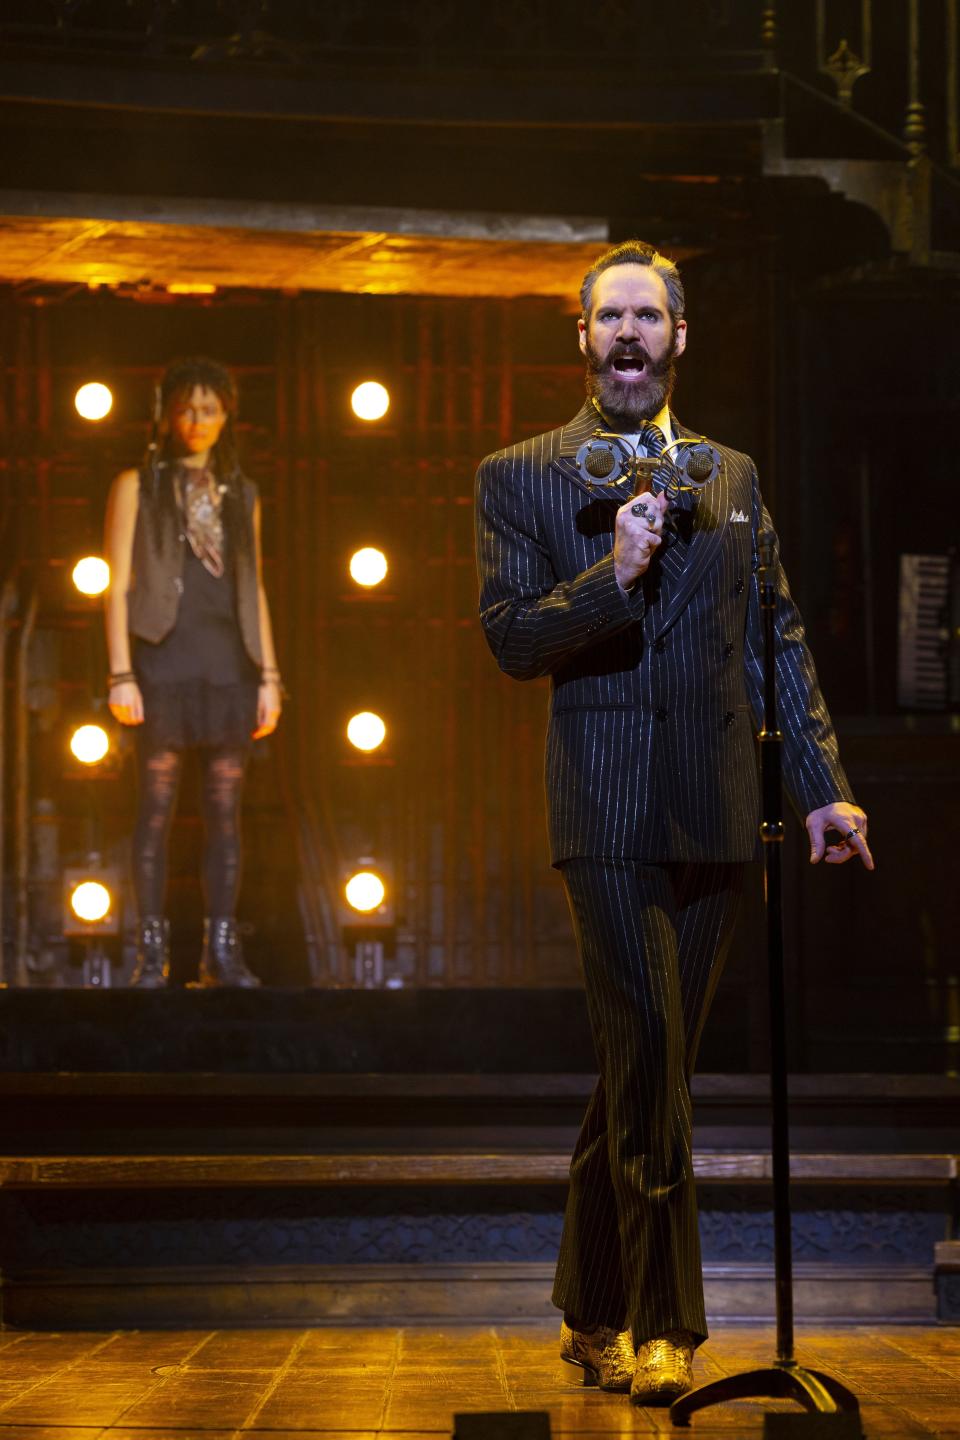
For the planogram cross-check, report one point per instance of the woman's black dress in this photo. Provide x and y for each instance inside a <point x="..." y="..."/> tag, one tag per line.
<point x="199" y="685"/>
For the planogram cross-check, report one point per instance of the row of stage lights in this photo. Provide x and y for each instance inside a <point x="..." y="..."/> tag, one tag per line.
<point x="91" y="900"/>
<point x="369" y="401"/>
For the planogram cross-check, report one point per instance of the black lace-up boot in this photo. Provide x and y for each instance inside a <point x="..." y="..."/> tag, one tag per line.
<point x="152" y="970"/>
<point x="222" y="960"/>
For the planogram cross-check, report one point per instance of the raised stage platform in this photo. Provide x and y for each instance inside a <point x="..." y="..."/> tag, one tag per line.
<point x="317" y="1157"/>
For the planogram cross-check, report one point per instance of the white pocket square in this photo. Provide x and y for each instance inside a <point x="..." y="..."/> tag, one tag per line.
<point x="737" y="517"/>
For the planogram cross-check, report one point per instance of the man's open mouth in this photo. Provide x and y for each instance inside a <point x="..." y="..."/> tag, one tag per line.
<point x="629" y="364"/>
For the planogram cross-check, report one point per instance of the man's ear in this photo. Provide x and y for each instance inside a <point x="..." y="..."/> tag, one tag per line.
<point x="680" y="337"/>
<point x="582" y="335"/>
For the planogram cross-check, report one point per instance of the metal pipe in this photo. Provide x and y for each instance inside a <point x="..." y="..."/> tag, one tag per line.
<point x="771" y="834"/>
<point x="768" y="34"/>
<point x="866" y="547"/>
<point x="915" y="123"/>
<point x="22" y="792"/>
<point x="8" y="605"/>
<point x="953" y="85"/>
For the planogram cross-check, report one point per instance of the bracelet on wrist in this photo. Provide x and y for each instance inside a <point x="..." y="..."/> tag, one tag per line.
<point x="273" y="677"/>
<point x="122" y="678"/>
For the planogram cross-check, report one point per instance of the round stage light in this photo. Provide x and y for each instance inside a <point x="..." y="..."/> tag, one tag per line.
<point x="93" y="401"/>
<point x="90" y="901"/>
<point x="368" y="566"/>
<point x="366" y="731"/>
<point x="89" y="744"/>
<point x="365" y="891"/>
<point x="91" y="575"/>
<point x="370" y="401"/>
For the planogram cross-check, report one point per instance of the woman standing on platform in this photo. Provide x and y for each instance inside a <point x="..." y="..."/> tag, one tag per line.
<point x="192" y="661"/>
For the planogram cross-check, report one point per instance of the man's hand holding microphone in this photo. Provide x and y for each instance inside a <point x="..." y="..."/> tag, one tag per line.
<point x="637" y="537"/>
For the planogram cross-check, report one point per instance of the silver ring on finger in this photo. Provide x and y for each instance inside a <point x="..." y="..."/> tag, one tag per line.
<point x="640" y="509"/>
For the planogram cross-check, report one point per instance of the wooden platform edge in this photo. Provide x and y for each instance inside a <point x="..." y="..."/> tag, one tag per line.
<point x="451" y="1168"/>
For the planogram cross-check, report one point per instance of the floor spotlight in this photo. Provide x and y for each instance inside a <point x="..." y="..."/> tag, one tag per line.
<point x="366" y="731"/>
<point x="93" y="401"/>
<point x="365" y="891"/>
<point x="91" y="910"/>
<point x="91" y="575"/>
<point x="370" y="401"/>
<point x="369" y="925"/>
<point x="368" y="566"/>
<point x="89" y="744"/>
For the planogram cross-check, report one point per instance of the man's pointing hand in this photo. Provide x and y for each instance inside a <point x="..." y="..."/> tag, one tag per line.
<point x="851" y="823"/>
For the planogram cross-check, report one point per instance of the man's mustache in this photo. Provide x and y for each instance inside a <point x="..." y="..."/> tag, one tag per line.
<point x="657" y="369"/>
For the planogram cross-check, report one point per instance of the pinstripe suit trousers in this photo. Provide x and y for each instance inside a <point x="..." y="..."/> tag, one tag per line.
<point x="652" y="940"/>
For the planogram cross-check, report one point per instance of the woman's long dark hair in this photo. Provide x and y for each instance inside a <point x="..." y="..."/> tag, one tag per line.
<point x="177" y="384"/>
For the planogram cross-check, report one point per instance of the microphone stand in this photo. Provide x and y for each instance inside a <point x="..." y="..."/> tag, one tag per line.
<point x="835" y="1408"/>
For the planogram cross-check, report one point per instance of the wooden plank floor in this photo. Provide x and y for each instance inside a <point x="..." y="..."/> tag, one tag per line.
<point x="353" y="1384"/>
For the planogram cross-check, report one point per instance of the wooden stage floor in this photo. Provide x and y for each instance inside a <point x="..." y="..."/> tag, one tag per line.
<point x="352" y="1384"/>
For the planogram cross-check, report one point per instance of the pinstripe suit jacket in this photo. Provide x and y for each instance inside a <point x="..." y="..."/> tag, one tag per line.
<point x="654" y="694"/>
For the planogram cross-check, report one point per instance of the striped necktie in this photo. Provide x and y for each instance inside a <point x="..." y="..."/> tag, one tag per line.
<point x="652" y="438"/>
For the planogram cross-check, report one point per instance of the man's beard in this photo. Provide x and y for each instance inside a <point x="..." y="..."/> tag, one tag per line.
<point x="629" y="402"/>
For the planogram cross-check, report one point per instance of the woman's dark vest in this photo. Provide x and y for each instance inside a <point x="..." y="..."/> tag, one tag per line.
<point x="156" y="581"/>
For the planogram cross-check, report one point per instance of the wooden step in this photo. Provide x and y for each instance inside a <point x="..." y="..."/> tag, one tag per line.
<point x="64" y="1172"/>
<point x="825" y="1090"/>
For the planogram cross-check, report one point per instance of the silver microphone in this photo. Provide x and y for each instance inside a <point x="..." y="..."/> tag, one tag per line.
<point x="685" y="466"/>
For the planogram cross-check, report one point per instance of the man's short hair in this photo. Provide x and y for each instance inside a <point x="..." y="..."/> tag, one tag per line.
<point x="636" y="252"/>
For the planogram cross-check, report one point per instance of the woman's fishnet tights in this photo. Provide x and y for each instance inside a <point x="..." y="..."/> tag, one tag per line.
<point x="221" y="789"/>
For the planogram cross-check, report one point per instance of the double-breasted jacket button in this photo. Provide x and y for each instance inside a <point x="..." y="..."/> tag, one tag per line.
<point x="728" y="650"/>
<point x="660" y="645"/>
<point x="661" y="712"/>
<point x="729" y="718"/>
<point x="738" y="587"/>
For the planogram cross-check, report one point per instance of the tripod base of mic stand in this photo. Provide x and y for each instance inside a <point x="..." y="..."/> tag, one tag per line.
<point x="832" y="1409"/>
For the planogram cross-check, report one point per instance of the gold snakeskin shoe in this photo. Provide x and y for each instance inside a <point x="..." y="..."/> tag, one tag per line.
<point x="664" y="1369"/>
<point x="606" y="1357"/>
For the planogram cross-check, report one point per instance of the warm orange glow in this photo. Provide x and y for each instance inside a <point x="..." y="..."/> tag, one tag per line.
<point x="191" y="287"/>
<point x="365" y="891"/>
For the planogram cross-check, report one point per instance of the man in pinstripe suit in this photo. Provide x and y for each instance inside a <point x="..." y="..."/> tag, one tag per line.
<point x="648" y="625"/>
